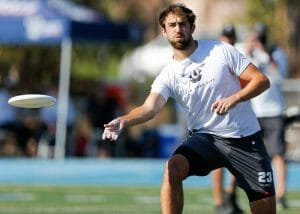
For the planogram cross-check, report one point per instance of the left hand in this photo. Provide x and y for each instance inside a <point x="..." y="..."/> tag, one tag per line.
<point x="222" y="106"/>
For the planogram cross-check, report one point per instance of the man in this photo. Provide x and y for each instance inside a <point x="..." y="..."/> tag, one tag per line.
<point x="270" y="105"/>
<point x="203" y="77"/>
<point x="228" y="34"/>
<point x="225" y="199"/>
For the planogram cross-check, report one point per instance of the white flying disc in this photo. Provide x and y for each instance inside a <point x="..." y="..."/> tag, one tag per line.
<point x="32" y="101"/>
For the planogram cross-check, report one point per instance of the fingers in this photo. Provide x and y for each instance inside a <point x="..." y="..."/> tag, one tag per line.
<point x="112" y="130"/>
<point x="109" y="126"/>
<point x="104" y="135"/>
<point x="110" y="135"/>
<point x="220" y="108"/>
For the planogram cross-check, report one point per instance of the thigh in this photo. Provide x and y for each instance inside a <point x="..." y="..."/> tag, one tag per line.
<point x="248" y="160"/>
<point x="202" y="154"/>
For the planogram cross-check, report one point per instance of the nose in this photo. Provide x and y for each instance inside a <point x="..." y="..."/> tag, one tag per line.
<point x="178" y="28"/>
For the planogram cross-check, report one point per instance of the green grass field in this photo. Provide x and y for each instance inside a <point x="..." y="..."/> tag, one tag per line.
<point x="30" y="199"/>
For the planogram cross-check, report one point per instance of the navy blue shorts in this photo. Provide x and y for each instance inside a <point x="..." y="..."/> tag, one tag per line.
<point x="246" y="158"/>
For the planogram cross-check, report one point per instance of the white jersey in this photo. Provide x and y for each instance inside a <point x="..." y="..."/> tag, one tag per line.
<point x="210" y="73"/>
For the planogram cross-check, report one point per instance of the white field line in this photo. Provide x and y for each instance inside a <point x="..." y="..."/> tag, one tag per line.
<point x="8" y="196"/>
<point x="73" y="209"/>
<point x="293" y="203"/>
<point x="147" y="199"/>
<point x="81" y="198"/>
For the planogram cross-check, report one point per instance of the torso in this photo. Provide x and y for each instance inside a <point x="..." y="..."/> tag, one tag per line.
<point x="199" y="80"/>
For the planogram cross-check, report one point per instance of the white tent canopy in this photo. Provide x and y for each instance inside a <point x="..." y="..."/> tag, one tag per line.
<point x="145" y="61"/>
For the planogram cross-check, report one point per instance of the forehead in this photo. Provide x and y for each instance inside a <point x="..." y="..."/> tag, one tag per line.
<point x="173" y="18"/>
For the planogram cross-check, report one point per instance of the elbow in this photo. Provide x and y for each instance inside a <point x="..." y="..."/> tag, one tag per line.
<point x="152" y="113"/>
<point x="267" y="83"/>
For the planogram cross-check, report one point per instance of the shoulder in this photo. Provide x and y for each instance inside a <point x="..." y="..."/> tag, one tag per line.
<point x="208" y="48"/>
<point x="165" y="72"/>
<point x="208" y="43"/>
<point x="217" y="45"/>
<point x="167" y="68"/>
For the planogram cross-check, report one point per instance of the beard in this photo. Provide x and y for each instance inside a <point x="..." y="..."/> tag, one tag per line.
<point x="182" y="45"/>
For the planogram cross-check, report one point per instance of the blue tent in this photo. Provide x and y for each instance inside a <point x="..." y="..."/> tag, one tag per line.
<point x="59" y="22"/>
<point x="50" y="21"/>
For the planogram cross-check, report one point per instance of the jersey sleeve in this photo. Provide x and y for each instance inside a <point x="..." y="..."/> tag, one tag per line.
<point x="237" y="61"/>
<point x="160" y="85"/>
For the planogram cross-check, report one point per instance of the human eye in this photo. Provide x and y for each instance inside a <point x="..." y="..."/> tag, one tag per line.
<point x="172" y="24"/>
<point x="182" y="24"/>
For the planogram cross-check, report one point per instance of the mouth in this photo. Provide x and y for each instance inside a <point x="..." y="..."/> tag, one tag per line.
<point x="179" y="38"/>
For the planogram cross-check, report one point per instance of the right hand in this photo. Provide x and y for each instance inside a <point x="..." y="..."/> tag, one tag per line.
<point x="112" y="130"/>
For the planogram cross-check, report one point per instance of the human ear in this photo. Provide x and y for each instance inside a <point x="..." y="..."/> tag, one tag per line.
<point x="193" y="28"/>
<point x="163" y="31"/>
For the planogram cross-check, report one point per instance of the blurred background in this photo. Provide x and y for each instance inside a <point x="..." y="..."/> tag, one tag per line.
<point x="99" y="58"/>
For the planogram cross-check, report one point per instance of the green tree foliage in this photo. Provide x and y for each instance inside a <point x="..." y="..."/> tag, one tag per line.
<point x="39" y="65"/>
<point x="264" y="11"/>
<point x="283" y="19"/>
<point x="97" y="61"/>
<point x="261" y="10"/>
<point x="293" y="10"/>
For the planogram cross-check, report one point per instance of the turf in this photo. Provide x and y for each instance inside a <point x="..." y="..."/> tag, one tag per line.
<point x="31" y="199"/>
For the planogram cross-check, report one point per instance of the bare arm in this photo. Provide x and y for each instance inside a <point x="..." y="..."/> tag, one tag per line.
<point x="256" y="81"/>
<point x="152" y="105"/>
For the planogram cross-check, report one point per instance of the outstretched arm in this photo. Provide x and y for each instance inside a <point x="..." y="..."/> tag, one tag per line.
<point x="152" y="105"/>
<point x="256" y="81"/>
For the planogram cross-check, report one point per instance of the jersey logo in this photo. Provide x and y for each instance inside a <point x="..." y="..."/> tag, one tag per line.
<point x="195" y="75"/>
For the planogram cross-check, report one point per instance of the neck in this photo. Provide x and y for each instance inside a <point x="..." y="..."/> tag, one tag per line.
<point x="182" y="54"/>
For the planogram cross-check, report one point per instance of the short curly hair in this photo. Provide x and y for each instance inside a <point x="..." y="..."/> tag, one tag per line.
<point x="178" y="9"/>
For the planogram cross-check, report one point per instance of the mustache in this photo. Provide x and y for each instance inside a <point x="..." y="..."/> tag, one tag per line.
<point x="179" y="34"/>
